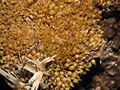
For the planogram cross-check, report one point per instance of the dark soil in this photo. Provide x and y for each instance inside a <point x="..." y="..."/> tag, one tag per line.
<point x="3" y="84"/>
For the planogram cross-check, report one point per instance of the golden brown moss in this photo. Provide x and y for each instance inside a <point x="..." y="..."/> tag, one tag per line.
<point x="66" y="28"/>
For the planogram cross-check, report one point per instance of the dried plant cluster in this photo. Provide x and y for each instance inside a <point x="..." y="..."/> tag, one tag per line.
<point x="68" y="29"/>
<point x="111" y="24"/>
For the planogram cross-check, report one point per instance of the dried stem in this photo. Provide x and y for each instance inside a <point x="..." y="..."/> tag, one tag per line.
<point x="13" y="81"/>
<point x="9" y="77"/>
<point x="36" y="79"/>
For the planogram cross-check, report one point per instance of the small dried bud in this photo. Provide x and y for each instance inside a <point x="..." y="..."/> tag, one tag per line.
<point x="77" y="56"/>
<point x="75" y="80"/>
<point x="33" y="52"/>
<point x="4" y="58"/>
<point x="69" y="73"/>
<point x="58" y="78"/>
<point x="68" y="60"/>
<point x="59" y="83"/>
<point x="71" y="67"/>
<point x="63" y="85"/>
<point x="37" y="55"/>
<point x="93" y="61"/>
<point x="29" y="56"/>
<point x="1" y="53"/>
<point x="67" y="65"/>
<point x="56" y="73"/>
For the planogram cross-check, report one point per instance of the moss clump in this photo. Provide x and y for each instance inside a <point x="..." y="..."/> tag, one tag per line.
<point x="66" y="28"/>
